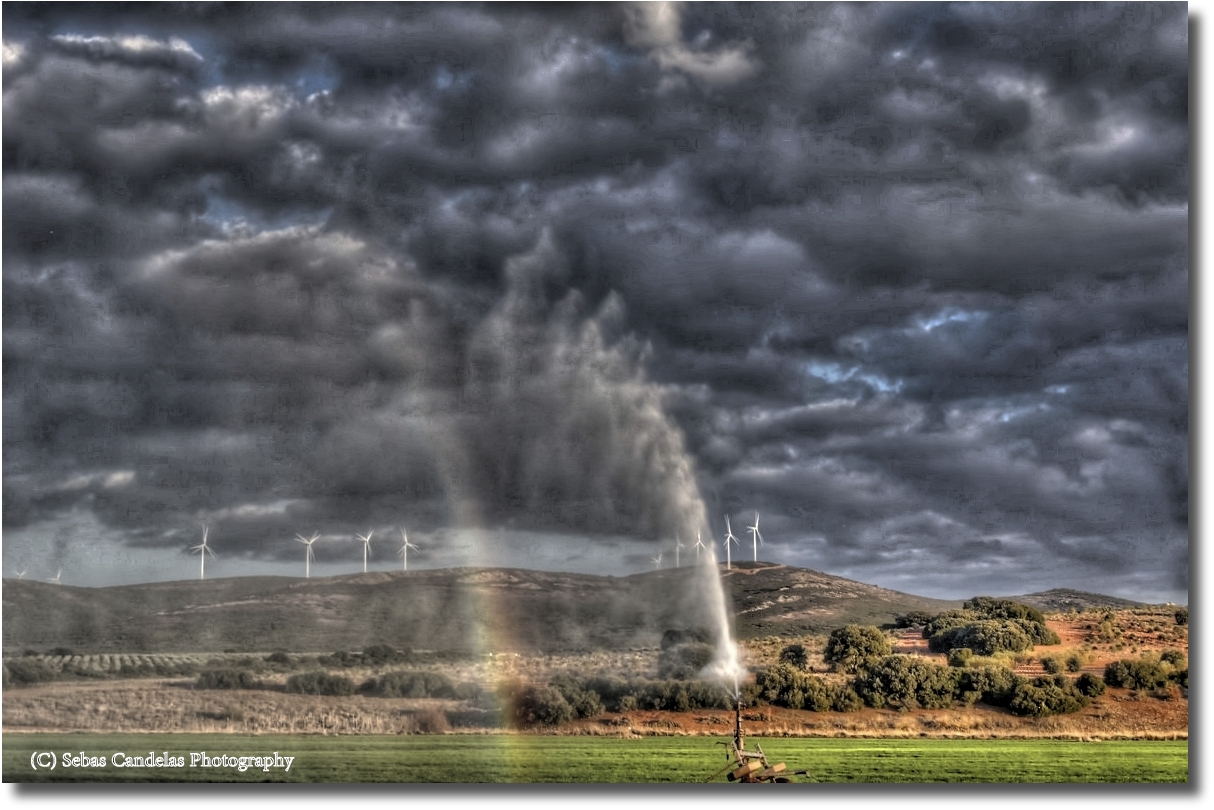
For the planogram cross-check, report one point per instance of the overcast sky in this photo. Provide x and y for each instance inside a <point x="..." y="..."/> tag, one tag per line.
<point x="549" y="284"/>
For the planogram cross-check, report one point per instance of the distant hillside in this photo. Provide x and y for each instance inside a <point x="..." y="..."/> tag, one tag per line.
<point x="779" y="600"/>
<point x="1061" y="600"/>
<point x="458" y="609"/>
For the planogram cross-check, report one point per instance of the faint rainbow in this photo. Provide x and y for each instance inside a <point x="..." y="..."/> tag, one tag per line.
<point x="466" y="516"/>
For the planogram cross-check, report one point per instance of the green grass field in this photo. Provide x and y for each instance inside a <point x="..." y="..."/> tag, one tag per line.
<point x="535" y="759"/>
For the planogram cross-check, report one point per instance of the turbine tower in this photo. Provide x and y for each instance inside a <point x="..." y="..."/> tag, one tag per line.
<point x="755" y="537"/>
<point x="203" y="550"/>
<point x="657" y="561"/>
<point x="678" y="546"/>
<point x="366" y="538"/>
<point x="728" y="536"/>
<point x="404" y="550"/>
<point x="55" y="579"/>
<point x="699" y="545"/>
<point x="309" y="556"/>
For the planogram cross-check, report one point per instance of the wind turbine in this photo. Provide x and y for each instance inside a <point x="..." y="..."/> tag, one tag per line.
<point x="309" y="556"/>
<point x="20" y="575"/>
<point x="404" y="550"/>
<point x="657" y="561"/>
<point x="755" y="537"/>
<point x="678" y="546"/>
<point x="728" y="536"/>
<point x="699" y="545"/>
<point x="55" y="579"/>
<point x="203" y="550"/>
<point x="366" y="538"/>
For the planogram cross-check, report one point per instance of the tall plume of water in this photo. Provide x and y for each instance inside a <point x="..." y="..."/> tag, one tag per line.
<point x="726" y="666"/>
<point x="545" y="410"/>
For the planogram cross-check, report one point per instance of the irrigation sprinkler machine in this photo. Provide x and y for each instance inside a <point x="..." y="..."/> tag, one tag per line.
<point x="750" y="766"/>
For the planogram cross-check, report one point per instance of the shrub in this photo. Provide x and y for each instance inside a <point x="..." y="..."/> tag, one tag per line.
<point x="684" y="661"/>
<point x="795" y="655"/>
<point x="541" y="706"/>
<point x="993" y="686"/>
<point x="1089" y="685"/>
<point x="1142" y="673"/>
<point x="949" y="619"/>
<point x="584" y="702"/>
<point x="907" y="682"/>
<point x="1180" y="677"/>
<point x="785" y="685"/>
<point x="1181" y="616"/>
<point x="431" y="721"/>
<point x="985" y="637"/>
<point x="991" y="608"/>
<point x="280" y="658"/>
<point x="320" y="683"/>
<point x="226" y="679"/>
<point x="413" y="685"/>
<point x="1046" y="696"/>
<point x="341" y="658"/>
<point x="845" y="699"/>
<point x="619" y="695"/>
<point x="1074" y="663"/>
<point x="1173" y="658"/>
<point x="915" y="618"/>
<point x="854" y="647"/>
<point x="21" y="672"/>
<point x="587" y="704"/>
<point x="1051" y="664"/>
<point x="1037" y="633"/>
<point x="959" y="656"/>
<point x="380" y="654"/>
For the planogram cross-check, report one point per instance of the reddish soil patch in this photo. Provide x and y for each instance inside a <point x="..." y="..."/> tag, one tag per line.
<point x="1117" y="714"/>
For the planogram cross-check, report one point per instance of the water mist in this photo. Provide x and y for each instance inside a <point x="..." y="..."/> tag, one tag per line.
<point x="726" y="666"/>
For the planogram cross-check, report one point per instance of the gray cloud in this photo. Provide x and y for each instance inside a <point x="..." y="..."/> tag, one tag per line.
<point x="911" y="280"/>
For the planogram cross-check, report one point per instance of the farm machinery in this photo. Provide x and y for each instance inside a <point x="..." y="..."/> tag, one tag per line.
<point x="750" y="766"/>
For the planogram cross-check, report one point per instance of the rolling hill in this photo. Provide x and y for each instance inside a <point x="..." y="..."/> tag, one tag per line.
<point x="455" y="609"/>
<point x="1060" y="600"/>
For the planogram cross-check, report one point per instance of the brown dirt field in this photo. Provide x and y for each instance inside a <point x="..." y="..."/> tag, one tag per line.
<point x="172" y="705"/>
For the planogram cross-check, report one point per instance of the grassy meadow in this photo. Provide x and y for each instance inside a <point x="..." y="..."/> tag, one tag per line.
<point x="518" y="758"/>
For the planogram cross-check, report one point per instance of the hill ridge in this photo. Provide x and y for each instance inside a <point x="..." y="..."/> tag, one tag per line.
<point x="463" y="609"/>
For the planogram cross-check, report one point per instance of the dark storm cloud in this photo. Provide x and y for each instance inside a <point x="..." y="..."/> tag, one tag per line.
<point x="909" y="279"/>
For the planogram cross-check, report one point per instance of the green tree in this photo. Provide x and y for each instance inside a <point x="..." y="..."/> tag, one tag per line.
<point x="994" y="686"/>
<point x="1089" y="685"/>
<point x="785" y="685"/>
<point x="1142" y="673"/>
<point x="915" y="618"/>
<point x="992" y="608"/>
<point x="1045" y="696"/>
<point x="959" y="656"/>
<point x="907" y="682"/>
<point x="541" y="706"/>
<point x="855" y="646"/>
<point x="795" y="655"/>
